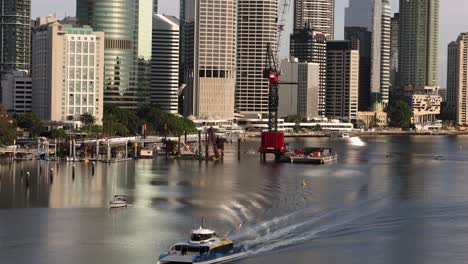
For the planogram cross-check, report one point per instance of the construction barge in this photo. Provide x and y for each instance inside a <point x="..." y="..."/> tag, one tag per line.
<point x="318" y="156"/>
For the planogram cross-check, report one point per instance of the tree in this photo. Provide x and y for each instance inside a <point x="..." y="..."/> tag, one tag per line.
<point x="7" y="131"/>
<point x="30" y="122"/>
<point x="88" y="121"/>
<point x="58" y="134"/>
<point x="399" y="113"/>
<point x="296" y="119"/>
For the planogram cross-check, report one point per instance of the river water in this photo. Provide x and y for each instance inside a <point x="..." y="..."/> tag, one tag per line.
<point x="387" y="200"/>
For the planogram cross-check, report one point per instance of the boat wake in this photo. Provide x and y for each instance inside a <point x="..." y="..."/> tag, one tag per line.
<point x="300" y="226"/>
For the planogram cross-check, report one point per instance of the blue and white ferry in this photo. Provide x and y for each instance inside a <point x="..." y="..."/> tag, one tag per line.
<point x="204" y="247"/>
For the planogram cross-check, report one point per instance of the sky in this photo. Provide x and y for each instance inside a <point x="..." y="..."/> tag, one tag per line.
<point x="452" y="21"/>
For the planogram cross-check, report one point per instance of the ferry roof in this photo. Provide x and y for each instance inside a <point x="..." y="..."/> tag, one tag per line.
<point x="203" y="231"/>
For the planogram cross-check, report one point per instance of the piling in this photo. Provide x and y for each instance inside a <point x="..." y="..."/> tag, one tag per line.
<point x="178" y="147"/>
<point x="199" y="146"/>
<point x="207" y="157"/>
<point x="239" y="149"/>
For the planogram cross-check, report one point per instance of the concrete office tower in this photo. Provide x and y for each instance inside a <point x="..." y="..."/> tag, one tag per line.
<point x="394" y="49"/>
<point x="361" y="39"/>
<point x="15" y="35"/>
<point x="310" y="46"/>
<point x="316" y="14"/>
<point x="257" y="27"/>
<point x="16" y="92"/>
<point x="419" y="34"/>
<point x="299" y="91"/>
<point x="452" y="80"/>
<point x="67" y="72"/>
<point x="342" y="81"/>
<point x="209" y="57"/>
<point x="375" y="16"/>
<point x="462" y="80"/>
<point x="165" y="63"/>
<point x="119" y="21"/>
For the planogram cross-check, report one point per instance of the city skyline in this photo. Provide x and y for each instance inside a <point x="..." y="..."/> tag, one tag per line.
<point x="452" y="21"/>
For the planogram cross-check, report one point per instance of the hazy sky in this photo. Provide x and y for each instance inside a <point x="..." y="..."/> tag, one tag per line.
<point x="453" y="20"/>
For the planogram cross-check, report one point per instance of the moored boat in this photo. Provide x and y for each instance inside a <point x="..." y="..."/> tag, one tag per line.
<point x="119" y="201"/>
<point x="204" y="247"/>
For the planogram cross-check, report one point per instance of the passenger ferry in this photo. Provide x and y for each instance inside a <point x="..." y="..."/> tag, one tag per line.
<point x="204" y="247"/>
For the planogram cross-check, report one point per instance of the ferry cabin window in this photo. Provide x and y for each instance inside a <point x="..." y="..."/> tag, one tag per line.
<point x="189" y="249"/>
<point x="200" y="237"/>
<point x="222" y="249"/>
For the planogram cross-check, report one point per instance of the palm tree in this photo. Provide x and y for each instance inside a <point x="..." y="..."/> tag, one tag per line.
<point x="88" y="121"/>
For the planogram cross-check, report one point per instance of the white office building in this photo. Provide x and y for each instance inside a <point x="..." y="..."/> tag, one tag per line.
<point x="316" y="14"/>
<point x="67" y="72"/>
<point x="165" y="63"/>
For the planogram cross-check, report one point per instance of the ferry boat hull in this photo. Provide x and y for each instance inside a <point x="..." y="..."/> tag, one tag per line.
<point x="175" y="259"/>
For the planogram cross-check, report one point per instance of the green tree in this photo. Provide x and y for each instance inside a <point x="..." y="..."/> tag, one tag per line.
<point x="7" y="131"/>
<point x="58" y="134"/>
<point x="30" y="122"/>
<point x="399" y="113"/>
<point x="296" y="119"/>
<point x="88" y="121"/>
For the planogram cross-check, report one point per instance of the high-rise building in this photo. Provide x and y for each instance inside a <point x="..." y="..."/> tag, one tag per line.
<point x="15" y="35"/>
<point x="310" y="46"/>
<point x="67" y="72"/>
<point x="120" y="23"/>
<point x="145" y="24"/>
<point x="342" y="81"/>
<point x="316" y="14"/>
<point x="394" y="49"/>
<point x="208" y="50"/>
<point x="361" y="38"/>
<point x="375" y="16"/>
<point x="16" y="92"/>
<point x="452" y="79"/>
<point x="257" y="28"/>
<point x="155" y="6"/>
<point x="299" y="93"/>
<point x="165" y="63"/>
<point x="462" y="80"/>
<point x="419" y="34"/>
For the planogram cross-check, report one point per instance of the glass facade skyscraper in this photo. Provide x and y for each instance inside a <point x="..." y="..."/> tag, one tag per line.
<point x="419" y="36"/>
<point x="374" y="16"/>
<point x="15" y="35"/>
<point x="127" y="49"/>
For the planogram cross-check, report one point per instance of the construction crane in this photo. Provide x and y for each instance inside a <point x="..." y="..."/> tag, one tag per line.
<point x="272" y="140"/>
<point x="283" y="13"/>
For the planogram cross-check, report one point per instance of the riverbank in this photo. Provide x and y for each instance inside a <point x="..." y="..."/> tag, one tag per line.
<point x="369" y="134"/>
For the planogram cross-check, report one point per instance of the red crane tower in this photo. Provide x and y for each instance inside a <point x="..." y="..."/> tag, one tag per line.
<point x="272" y="140"/>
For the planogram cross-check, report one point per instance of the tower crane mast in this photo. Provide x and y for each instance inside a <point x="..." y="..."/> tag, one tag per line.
<point x="273" y="141"/>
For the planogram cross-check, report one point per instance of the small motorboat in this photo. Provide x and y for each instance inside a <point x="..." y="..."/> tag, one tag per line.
<point x="119" y="201"/>
<point x="204" y="247"/>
